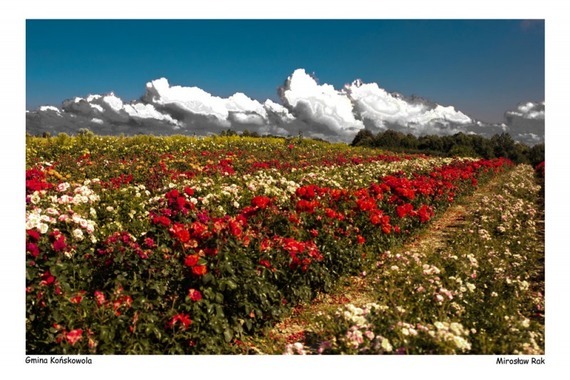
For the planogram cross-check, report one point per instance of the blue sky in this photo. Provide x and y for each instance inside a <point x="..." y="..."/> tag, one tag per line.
<point x="482" y="67"/>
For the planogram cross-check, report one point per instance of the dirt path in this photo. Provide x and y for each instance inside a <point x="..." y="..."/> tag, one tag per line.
<point x="360" y="290"/>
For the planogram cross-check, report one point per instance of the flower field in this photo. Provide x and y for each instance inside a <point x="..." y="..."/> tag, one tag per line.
<point x="180" y="245"/>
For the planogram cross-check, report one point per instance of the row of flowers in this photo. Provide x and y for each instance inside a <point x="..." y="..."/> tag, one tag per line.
<point x="191" y="267"/>
<point x="482" y="292"/>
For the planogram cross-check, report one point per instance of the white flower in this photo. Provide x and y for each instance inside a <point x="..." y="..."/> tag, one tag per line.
<point x="78" y="234"/>
<point x="43" y="228"/>
<point x="52" y="211"/>
<point x="35" y="198"/>
<point x="386" y="345"/>
<point x="90" y="227"/>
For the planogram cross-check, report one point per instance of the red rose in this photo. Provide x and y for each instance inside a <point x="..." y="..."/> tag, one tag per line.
<point x="77" y="298"/>
<point x="194" y="295"/>
<point x="180" y="232"/>
<point x="260" y="201"/>
<point x="184" y="319"/>
<point x="191" y="260"/>
<point x="199" y="270"/>
<point x="59" y="244"/>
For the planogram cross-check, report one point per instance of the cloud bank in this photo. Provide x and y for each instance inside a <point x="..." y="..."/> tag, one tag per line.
<point x="307" y="108"/>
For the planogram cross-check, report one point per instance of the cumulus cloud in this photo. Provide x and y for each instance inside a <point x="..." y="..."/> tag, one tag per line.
<point x="327" y="112"/>
<point x="308" y="108"/>
<point x="380" y="110"/>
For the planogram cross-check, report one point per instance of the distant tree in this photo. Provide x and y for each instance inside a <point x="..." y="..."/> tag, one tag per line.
<point x="85" y="132"/>
<point x="431" y="143"/>
<point x="363" y="138"/>
<point x="503" y="145"/>
<point x="535" y="154"/>
<point x="462" y="151"/>
<point x="228" y="132"/>
<point x="409" y="142"/>
<point x="482" y="146"/>
<point x="389" y="139"/>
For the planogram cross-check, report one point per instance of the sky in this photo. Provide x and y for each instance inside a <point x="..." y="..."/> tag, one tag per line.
<point x="482" y="67"/>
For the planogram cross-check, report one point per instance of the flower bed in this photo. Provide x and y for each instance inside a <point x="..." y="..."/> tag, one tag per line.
<point x="178" y="245"/>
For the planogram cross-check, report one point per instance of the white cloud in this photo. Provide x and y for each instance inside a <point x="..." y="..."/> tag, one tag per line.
<point x="192" y="100"/>
<point x="308" y="108"/>
<point x="379" y="109"/>
<point x="528" y="110"/>
<point x="49" y="108"/>
<point x="329" y="112"/>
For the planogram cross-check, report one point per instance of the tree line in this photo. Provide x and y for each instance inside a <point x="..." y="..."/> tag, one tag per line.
<point x="459" y="144"/>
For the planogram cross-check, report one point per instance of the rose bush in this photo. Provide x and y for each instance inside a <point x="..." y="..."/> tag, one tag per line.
<point x="179" y="245"/>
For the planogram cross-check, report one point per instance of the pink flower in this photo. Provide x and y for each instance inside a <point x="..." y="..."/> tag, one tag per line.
<point x="74" y="336"/>
<point x="99" y="298"/>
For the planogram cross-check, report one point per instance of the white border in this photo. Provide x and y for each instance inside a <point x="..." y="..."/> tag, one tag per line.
<point x="12" y="47"/>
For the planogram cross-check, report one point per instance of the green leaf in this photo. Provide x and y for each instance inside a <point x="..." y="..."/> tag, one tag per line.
<point x="228" y="335"/>
<point x="207" y="278"/>
<point x="232" y="285"/>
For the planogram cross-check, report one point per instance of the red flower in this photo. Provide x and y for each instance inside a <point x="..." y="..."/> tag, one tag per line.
<point x="265" y="245"/>
<point x="33" y="234"/>
<point x="77" y="298"/>
<point x="235" y="228"/>
<point x="330" y="213"/>
<point x="199" y="230"/>
<point x="99" y="298"/>
<point x="360" y="239"/>
<point x="47" y="278"/>
<point x="194" y="295"/>
<point x="180" y="232"/>
<point x="59" y="243"/>
<point x="265" y="263"/>
<point x="366" y="204"/>
<point x="74" y="336"/>
<point x="189" y="191"/>
<point x="292" y="246"/>
<point x="199" y="270"/>
<point x="184" y="319"/>
<point x="149" y="243"/>
<point x="376" y="217"/>
<point x="404" y="210"/>
<point x="425" y="213"/>
<point x="306" y="206"/>
<point x="162" y="220"/>
<point x="260" y="201"/>
<point x="191" y="260"/>
<point x="306" y="192"/>
<point x="33" y="249"/>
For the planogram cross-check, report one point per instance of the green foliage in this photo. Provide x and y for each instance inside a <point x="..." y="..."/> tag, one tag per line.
<point x="178" y="245"/>
<point x="458" y="145"/>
